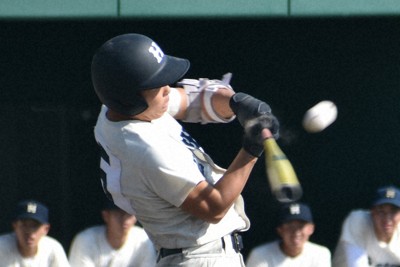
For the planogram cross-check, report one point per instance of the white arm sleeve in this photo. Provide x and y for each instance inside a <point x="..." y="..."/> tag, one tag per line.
<point x="199" y="93"/>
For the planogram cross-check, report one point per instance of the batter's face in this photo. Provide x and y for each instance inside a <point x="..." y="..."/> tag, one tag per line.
<point x="385" y="217"/>
<point x="294" y="235"/>
<point x="157" y="100"/>
<point x="28" y="233"/>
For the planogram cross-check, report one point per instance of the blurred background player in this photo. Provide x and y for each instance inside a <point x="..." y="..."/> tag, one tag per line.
<point x="28" y="244"/>
<point x="191" y="208"/>
<point x="372" y="237"/>
<point x="117" y="243"/>
<point x="294" y="248"/>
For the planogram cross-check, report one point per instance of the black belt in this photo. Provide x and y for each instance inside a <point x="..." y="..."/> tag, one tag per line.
<point x="237" y="243"/>
<point x="164" y="252"/>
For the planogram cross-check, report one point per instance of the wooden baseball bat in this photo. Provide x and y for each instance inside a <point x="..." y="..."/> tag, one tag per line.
<point x="281" y="176"/>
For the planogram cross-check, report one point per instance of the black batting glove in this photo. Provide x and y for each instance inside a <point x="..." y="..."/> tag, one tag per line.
<point x="247" y="107"/>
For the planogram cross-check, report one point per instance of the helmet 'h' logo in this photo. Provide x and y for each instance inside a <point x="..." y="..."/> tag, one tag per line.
<point x="156" y="51"/>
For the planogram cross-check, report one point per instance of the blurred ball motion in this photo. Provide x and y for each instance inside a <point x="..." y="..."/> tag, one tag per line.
<point x="320" y="116"/>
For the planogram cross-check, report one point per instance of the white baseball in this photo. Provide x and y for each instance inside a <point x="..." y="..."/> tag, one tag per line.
<point x="320" y="116"/>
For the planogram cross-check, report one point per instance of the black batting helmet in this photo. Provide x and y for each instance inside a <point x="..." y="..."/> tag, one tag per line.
<point x="129" y="63"/>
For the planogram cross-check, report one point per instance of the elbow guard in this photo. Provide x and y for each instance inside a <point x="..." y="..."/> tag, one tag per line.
<point x="199" y="93"/>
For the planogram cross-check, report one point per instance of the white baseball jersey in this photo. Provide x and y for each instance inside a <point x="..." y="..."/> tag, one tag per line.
<point x="358" y="242"/>
<point x="50" y="253"/>
<point x="90" y="248"/>
<point x="150" y="168"/>
<point x="270" y="255"/>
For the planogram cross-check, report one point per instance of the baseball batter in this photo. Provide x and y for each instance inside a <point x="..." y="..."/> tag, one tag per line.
<point x="372" y="237"/>
<point x="191" y="208"/>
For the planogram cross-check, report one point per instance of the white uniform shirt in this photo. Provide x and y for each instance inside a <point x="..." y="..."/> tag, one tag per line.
<point x="151" y="167"/>
<point x="358" y="241"/>
<point x="50" y="253"/>
<point x="270" y="255"/>
<point x="90" y="248"/>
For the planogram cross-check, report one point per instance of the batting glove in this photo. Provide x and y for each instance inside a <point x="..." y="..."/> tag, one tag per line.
<point x="247" y="108"/>
<point x="253" y="141"/>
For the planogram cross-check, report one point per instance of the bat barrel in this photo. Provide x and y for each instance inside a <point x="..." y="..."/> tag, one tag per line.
<point x="281" y="175"/>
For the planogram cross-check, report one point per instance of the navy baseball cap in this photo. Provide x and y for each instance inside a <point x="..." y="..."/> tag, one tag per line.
<point x="387" y="195"/>
<point x="32" y="209"/>
<point x="295" y="211"/>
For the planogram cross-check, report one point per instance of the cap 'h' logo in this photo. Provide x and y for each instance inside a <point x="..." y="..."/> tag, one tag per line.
<point x="390" y="193"/>
<point x="294" y="209"/>
<point x="31" y="208"/>
<point x="156" y="51"/>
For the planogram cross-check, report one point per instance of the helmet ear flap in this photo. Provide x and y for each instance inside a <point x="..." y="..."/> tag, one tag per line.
<point x="132" y="106"/>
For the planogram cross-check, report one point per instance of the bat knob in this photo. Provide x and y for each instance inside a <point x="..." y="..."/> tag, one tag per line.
<point x="266" y="133"/>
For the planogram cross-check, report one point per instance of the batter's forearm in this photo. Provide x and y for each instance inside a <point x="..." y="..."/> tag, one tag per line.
<point x="212" y="202"/>
<point x="220" y="102"/>
<point x="231" y="185"/>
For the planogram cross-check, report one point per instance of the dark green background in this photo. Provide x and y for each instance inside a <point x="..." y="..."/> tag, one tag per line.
<point x="49" y="110"/>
